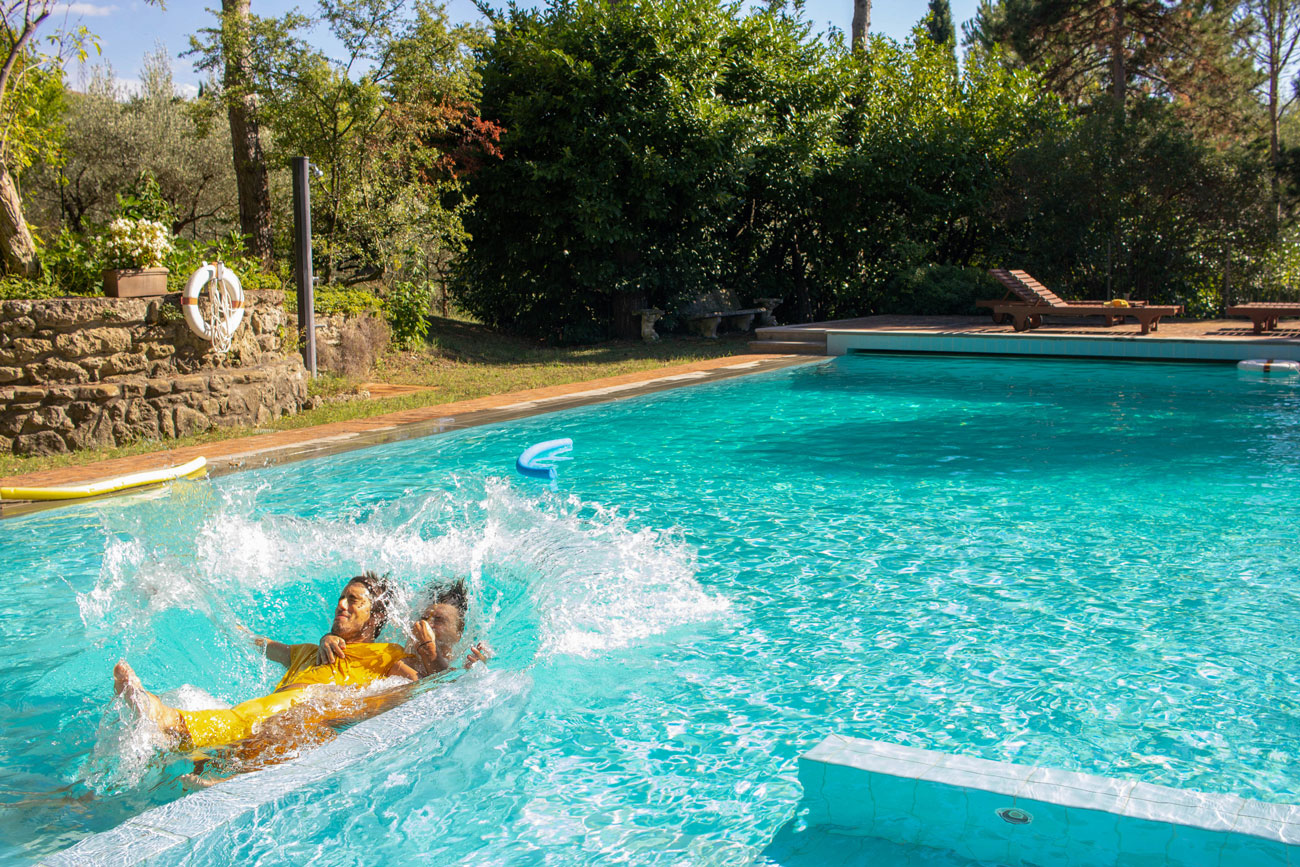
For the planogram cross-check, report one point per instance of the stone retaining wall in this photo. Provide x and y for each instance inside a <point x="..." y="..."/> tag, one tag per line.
<point x="83" y="372"/>
<point x="350" y="345"/>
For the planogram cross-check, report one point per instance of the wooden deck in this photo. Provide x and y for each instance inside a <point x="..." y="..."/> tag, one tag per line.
<point x="810" y="338"/>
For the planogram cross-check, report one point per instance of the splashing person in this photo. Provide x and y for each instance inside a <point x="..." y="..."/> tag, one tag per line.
<point x="359" y="616"/>
<point x="434" y="635"/>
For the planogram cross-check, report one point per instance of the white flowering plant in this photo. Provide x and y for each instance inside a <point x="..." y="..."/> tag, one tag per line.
<point x="136" y="243"/>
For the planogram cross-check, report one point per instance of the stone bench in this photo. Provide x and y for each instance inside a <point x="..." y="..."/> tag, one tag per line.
<point x="706" y="324"/>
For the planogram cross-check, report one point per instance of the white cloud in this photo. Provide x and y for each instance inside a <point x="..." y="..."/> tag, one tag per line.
<point x="86" y="10"/>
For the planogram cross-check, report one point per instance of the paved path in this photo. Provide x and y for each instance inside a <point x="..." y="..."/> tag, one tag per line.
<point x="262" y="449"/>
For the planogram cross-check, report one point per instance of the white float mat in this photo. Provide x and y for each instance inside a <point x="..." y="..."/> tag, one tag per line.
<point x="196" y="815"/>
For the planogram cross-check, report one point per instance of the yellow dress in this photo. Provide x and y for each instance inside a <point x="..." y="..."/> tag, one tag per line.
<point x="363" y="664"/>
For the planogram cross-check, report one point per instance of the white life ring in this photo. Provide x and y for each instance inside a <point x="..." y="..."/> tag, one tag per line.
<point x="227" y="302"/>
<point x="1269" y="366"/>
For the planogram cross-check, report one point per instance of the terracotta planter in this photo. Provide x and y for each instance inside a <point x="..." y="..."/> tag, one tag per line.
<point x="135" y="282"/>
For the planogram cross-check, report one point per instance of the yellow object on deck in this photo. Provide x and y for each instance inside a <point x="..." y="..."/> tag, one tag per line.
<point x="107" y="486"/>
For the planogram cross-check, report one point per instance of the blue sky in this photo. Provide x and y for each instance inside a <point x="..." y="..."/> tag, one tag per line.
<point x="128" y="29"/>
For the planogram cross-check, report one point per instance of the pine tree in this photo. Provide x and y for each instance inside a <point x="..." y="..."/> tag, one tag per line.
<point x="1271" y="35"/>
<point x="938" y="23"/>
<point x="1087" y="48"/>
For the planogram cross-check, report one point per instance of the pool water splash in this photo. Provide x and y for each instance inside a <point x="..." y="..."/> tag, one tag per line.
<point x="548" y="577"/>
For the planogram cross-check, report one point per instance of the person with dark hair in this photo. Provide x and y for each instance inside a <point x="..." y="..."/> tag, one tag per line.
<point x="435" y="634"/>
<point x="360" y="614"/>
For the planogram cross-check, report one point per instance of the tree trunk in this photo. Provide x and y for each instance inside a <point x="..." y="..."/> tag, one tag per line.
<point x="245" y="137"/>
<point x="1118" y="70"/>
<point x="18" y="247"/>
<point x="861" y="24"/>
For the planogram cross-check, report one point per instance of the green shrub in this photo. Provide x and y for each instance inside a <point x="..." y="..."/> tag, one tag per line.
<point x="345" y="300"/>
<point x="407" y="305"/>
<point x="144" y="200"/>
<point x="938" y="290"/>
<point x="72" y="266"/>
<point x="188" y="256"/>
<point x="14" y="288"/>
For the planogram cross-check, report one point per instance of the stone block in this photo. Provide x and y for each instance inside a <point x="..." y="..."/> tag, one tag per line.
<point x="92" y="341"/>
<point x="190" y="421"/>
<point x="157" y="386"/>
<point x="27" y="395"/>
<point x="133" y="386"/>
<point x="24" y="350"/>
<point x="220" y="383"/>
<point x="123" y="363"/>
<point x="42" y="443"/>
<point x="143" y="419"/>
<point x="157" y="350"/>
<point x="58" y="370"/>
<point x="189" y="384"/>
<point x="48" y="418"/>
<point x="100" y="391"/>
<point x="18" y="326"/>
<point x="82" y="411"/>
<point x="96" y="433"/>
<point x="10" y="310"/>
<point x="11" y="374"/>
<point x="6" y="445"/>
<point x="66" y="313"/>
<point x="60" y="394"/>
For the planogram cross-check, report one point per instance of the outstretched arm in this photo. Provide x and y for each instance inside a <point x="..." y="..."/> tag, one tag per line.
<point x="273" y="650"/>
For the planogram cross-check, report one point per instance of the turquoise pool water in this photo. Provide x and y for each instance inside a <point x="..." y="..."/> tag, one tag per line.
<point x="1085" y="565"/>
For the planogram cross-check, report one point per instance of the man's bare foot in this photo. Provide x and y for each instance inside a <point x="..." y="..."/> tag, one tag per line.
<point x="127" y="684"/>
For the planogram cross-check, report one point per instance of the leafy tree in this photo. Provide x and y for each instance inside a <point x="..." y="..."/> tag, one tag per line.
<point x="31" y="84"/>
<point x="624" y="157"/>
<point x="112" y="140"/>
<point x="1144" y="208"/>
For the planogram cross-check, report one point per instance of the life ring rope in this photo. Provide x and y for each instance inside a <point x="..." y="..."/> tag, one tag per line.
<point x="226" y="299"/>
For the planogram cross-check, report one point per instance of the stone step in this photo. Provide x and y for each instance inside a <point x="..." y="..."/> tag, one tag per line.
<point x="788" y="347"/>
<point x="790" y="333"/>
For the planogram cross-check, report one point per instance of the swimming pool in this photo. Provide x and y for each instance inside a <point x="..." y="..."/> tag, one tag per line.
<point x="1084" y="565"/>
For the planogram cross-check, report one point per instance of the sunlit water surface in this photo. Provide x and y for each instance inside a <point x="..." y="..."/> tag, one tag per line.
<point x="1089" y="566"/>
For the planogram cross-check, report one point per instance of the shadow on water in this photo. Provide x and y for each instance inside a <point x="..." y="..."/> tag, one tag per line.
<point x="824" y="847"/>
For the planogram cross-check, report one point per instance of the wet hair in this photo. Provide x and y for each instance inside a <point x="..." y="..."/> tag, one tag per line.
<point x="456" y="595"/>
<point x="381" y="593"/>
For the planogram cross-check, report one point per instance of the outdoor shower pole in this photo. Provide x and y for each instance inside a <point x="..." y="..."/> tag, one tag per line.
<point x="302" y="260"/>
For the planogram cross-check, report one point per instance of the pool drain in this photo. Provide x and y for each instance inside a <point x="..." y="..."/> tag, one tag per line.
<point x="1013" y="816"/>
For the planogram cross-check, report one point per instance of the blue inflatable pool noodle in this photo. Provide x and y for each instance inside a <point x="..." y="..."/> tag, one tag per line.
<point x="528" y="465"/>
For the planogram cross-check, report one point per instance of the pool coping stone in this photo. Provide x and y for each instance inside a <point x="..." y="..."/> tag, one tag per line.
<point x="853" y="785"/>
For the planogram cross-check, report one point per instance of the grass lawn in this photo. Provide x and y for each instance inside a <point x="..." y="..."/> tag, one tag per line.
<point x="462" y="361"/>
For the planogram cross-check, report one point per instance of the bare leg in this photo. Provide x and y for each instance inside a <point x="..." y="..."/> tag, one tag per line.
<point x="127" y="685"/>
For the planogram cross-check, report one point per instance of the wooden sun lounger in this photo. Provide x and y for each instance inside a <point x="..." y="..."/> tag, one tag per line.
<point x="1265" y="314"/>
<point x="1032" y="300"/>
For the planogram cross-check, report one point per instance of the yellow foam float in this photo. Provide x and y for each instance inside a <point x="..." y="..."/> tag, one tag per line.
<point x="107" y="486"/>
